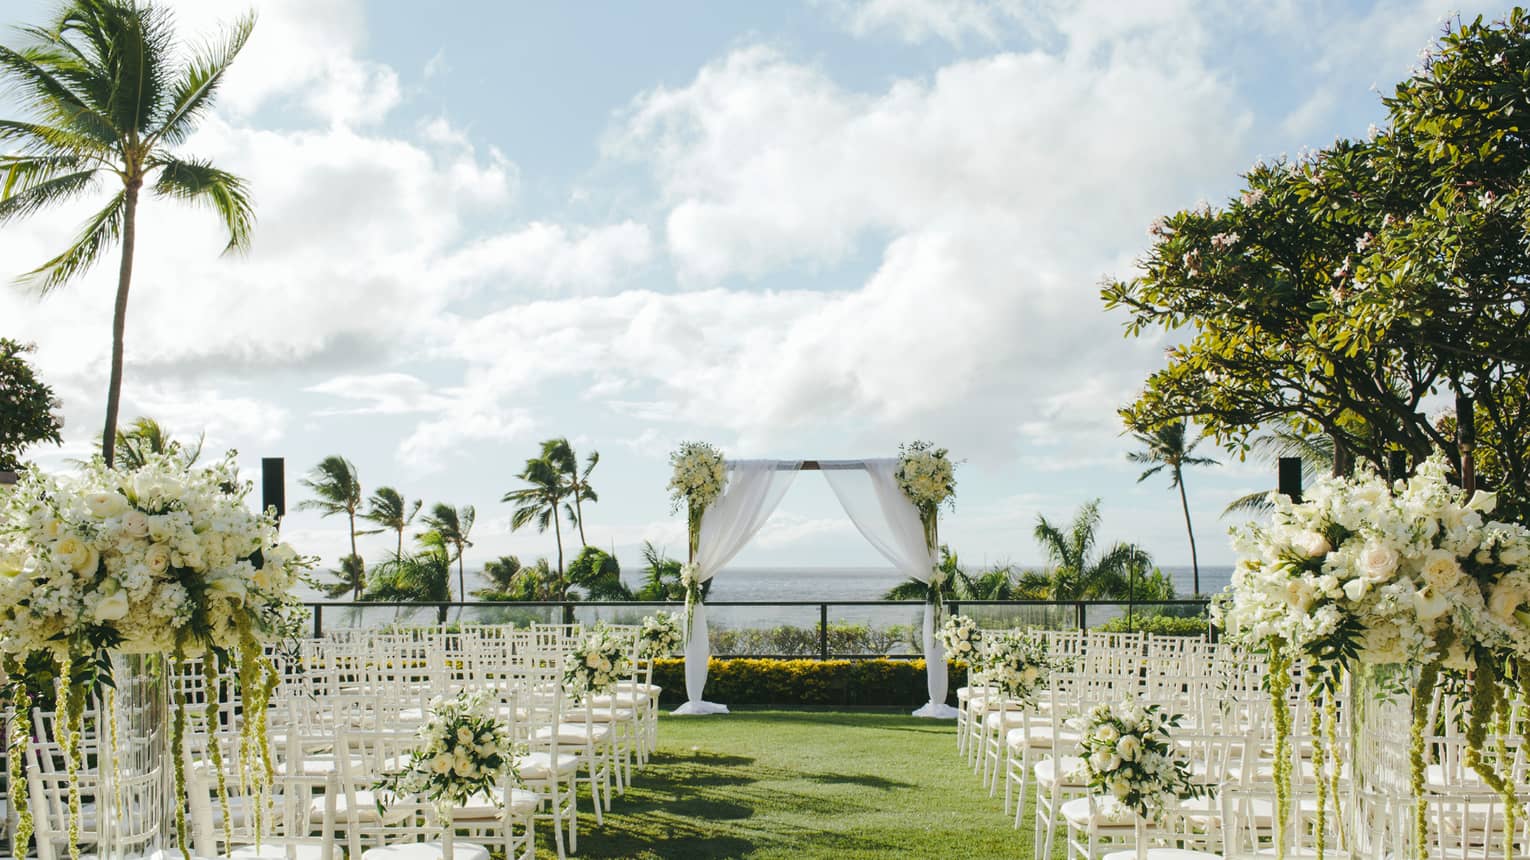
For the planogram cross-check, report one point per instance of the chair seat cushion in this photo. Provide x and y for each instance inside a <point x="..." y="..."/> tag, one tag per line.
<point x="1040" y="736"/>
<point x="1163" y="854"/>
<point x="1070" y="773"/>
<point x="483" y="806"/>
<point x="277" y="851"/>
<point x="426" y="851"/>
<point x="600" y="714"/>
<point x="366" y="809"/>
<point x="575" y="733"/>
<point x="1106" y="813"/>
<point x="538" y="765"/>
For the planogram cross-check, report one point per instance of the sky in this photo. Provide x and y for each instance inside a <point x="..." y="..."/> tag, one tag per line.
<point x="811" y="229"/>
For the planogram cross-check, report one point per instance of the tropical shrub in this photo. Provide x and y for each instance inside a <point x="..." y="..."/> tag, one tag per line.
<point x="829" y="683"/>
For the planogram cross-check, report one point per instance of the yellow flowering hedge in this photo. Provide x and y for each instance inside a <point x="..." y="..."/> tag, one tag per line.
<point x="808" y="682"/>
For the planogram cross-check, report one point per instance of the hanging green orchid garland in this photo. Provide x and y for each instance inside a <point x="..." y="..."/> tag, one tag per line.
<point x="160" y="560"/>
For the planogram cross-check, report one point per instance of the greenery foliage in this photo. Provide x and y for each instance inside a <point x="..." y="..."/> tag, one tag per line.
<point x="146" y="437"/>
<point x="1158" y="625"/>
<point x="336" y="490"/>
<point x="1167" y="447"/>
<point x="1340" y="292"/>
<point x="28" y="408"/>
<point x="789" y="641"/>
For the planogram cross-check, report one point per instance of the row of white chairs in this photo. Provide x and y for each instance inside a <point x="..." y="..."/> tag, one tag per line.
<point x="1227" y="734"/>
<point x="345" y="711"/>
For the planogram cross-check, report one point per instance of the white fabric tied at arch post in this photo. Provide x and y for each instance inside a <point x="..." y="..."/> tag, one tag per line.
<point x="754" y="489"/>
<point x="869" y="492"/>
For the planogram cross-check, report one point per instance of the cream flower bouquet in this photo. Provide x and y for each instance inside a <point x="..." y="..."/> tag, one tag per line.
<point x="1129" y="755"/>
<point x="161" y="560"/>
<point x="465" y="752"/>
<point x="596" y="664"/>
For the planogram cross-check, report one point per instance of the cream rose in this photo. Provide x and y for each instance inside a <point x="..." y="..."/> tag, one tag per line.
<point x="135" y="524"/>
<point x="76" y="553"/>
<point x="1378" y="561"/>
<point x="1441" y="570"/>
<point x="1311" y="544"/>
<point x="1128" y="747"/>
<point x="1299" y="594"/>
<point x="103" y="505"/>
<point x="157" y="558"/>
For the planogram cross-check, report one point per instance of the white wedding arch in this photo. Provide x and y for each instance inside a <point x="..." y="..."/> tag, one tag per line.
<point x="872" y="496"/>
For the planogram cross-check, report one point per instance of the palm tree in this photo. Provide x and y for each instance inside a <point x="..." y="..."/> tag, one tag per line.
<point x="453" y="525"/>
<point x="919" y="589"/>
<point x="599" y="574"/>
<point x="661" y="576"/>
<point x="539" y="502"/>
<point x="107" y="101"/>
<point x="350" y="577"/>
<point x="425" y="576"/>
<point x="500" y="573"/>
<point x="1076" y="573"/>
<point x="1315" y="451"/>
<point x="562" y="455"/>
<point x="388" y="509"/>
<point x="1165" y="448"/>
<point x="337" y="490"/>
<point x="145" y="437"/>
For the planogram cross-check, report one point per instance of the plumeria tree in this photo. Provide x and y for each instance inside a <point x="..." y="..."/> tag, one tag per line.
<point x="104" y="98"/>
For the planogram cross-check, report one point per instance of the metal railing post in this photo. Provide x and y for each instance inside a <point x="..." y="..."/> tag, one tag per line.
<point x="568" y="613"/>
<point x="1078" y="606"/>
<point x="823" y="631"/>
<point x="441" y="614"/>
<point x="318" y="621"/>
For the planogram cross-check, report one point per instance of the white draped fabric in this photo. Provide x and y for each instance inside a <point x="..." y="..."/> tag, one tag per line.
<point x="869" y="492"/>
<point x="754" y="489"/>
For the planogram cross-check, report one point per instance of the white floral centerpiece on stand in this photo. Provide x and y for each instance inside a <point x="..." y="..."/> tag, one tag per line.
<point x="596" y="664"/>
<point x="162" y="562"/>
<point x="1130" y="757"/>
<point x="661" y="635"/>
<point x="962" y="639"/>
<point x="1015" y="663"/>
<point x="465" y="753"/>
<point x="1366" y="575"/>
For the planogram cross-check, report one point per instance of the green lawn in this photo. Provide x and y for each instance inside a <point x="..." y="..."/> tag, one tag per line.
<point x="802" y="784"/>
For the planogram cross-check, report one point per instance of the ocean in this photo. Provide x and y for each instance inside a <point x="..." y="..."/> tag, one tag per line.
<point x="870" y="583"/>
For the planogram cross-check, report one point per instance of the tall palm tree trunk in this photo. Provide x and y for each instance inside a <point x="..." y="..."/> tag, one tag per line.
<point x="1195" y="564"/>
<point x="355" y="555"/>
<point x="461" y="577"/>
<point x="579" y="515"/>
<point x="558" y="533"/>
<point x="400" y="551"/>
<point x="119" y="319"/>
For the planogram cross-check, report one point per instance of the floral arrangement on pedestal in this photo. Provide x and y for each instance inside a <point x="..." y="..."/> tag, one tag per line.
<point x="927" y="477"/>
<point x="1016" y="664"/>
<point x="661" y="635"/>
<point x="1364" y="573"/>
<point x="596" y="664"/>
<point x="962" y="639"/>
<point x="161" y="560"/>
<point x="465" y="752"/>
<point x="1129" y="755"/>
<point x="700" y="476"/>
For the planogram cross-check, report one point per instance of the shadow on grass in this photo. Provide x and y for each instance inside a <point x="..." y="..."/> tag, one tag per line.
<point x="879" y="783"/>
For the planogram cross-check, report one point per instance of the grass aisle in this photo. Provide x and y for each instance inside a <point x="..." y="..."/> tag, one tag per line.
<point x="802" y="784"/>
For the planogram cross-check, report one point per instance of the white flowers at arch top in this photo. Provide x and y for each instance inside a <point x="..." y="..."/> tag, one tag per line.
<point x="699" y="475"/>
<point x="926" y="475"/>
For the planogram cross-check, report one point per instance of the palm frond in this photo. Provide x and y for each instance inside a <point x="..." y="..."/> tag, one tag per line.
<point x="197" y="84"/>
<point x="98" y="235"/>
<point x="41" y="91"/>
<point x="197" y="181"/>
<point x="19" y="203"/>
<point x="130" y="47"/>
<point x="1252" y="503"/>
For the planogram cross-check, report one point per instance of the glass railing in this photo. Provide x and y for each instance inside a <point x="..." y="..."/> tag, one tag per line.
<point x="802" y="629"/>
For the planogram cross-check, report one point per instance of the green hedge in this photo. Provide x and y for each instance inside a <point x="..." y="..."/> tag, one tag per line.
<point x="808" y="682"/>
<point x="1158" y="625"/>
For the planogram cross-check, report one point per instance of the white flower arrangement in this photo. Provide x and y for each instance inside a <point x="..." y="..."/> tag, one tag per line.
<point x="962" y="638"/>
<point x="1016" y="663"/>
<point x="465" y="751"/>
<point x="596" y="664"/>
<point x="1129" y="755"/>
<point x="1367" y="573"/>
<point x="926" y="476"/>
<point x="159" y="560"/>
<point x="661" y="634"/>
<point x="700" y="476"/>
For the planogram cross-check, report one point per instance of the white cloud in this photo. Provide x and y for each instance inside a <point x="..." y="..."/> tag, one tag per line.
<point x="550" y="257"/>
<point x="382" y="394"/>
<point x="953" y="21"/>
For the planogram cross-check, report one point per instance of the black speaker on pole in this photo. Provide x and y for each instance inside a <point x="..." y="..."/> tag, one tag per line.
<point x="273" y="485"/>
<point x="1291" y="478"/>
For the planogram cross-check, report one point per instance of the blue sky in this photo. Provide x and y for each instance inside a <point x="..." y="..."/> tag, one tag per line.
<point x="809" y="229"/>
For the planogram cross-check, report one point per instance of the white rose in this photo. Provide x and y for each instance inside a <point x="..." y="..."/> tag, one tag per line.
<point x="1378" y="561"/>
<point x="1029" y="675"/>
<point x="1503" y="600"/>
<point x="113" y="607"/>
<point x="1441" y="570"/>
<point x="1311" y="544"/>
<point x="464" y="735"/>
<point x="103" y="505"/>
<point x="135" y="524"/>
<point x="157" y="558"/>
<point x="1299" y="595"/>
<point x="1107" y="733"/>
<point x="1129" y="746"/>
<point x="77" y="554"/>
<point x="1120" y="789"/>
<point x="442" y="764"/>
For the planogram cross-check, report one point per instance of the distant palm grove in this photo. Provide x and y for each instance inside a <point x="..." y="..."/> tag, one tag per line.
<point x="427" y="565"/>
